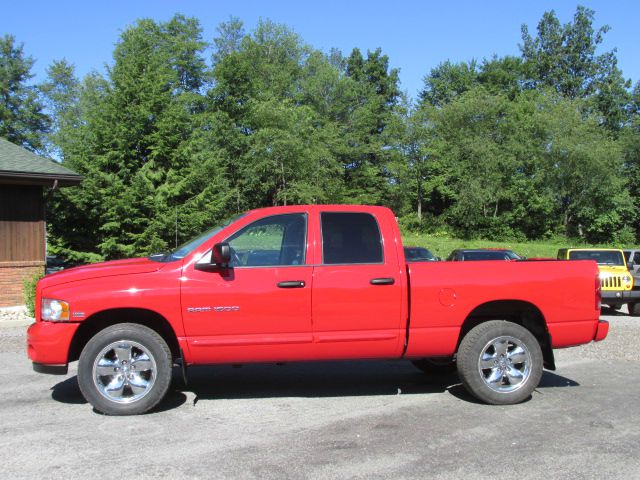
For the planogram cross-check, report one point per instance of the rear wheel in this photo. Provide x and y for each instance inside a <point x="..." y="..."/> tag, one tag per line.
<point x="500" y="362"/>
<point x="125" y="369"/>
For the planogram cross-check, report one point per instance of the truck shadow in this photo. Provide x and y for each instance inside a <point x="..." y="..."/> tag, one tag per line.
<point x="68" y="392"/>
<point x="548" y="380"/>
<point x="312" y="379"/>
<point x="331" y="379"/>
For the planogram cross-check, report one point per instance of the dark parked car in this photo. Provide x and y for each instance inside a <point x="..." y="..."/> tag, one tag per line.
<point x="465" y="255"/>
<point x="419" y="254"/>
<point x="54" y="264"/>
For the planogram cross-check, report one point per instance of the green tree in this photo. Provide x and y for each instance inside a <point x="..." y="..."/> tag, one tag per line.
<point x="564" y="57"/>
<point x="630" y="142"/>
<point x="585" y="171"/>
<point x="229" y="39"/>
<point x="447" y="81"/>
<point x="373" y="94"/>
<point x="135" y="137"/>
<point x="531" y="166"/>
<point x="61" y="93"/>
<point x="22" y="119"/>
<point x="253" y="99"/>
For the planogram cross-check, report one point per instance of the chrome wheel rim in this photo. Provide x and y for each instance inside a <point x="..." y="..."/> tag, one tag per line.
<point x="505" y="364"/>
<point x="124" y="371"/>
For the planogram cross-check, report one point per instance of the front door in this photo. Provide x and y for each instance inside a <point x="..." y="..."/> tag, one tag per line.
<point x="259" y="309"/>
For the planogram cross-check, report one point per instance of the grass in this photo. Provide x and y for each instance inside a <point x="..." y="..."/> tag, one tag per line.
<point x="442" y="245"/>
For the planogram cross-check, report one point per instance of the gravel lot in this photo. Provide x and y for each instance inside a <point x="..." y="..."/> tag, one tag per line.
<point x="333" y="420"/>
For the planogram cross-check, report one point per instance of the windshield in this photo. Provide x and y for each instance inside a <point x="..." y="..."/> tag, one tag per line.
<point x="187" y="247"/>
<point x="603" y="257"/>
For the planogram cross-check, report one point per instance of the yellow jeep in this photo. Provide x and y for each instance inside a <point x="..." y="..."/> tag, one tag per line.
<point x="616" y="282"/>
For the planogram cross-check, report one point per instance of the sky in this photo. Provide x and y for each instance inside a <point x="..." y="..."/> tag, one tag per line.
<point x="416" y="35"/>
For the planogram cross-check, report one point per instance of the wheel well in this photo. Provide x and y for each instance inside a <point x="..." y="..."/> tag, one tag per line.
<point x="516" y="311"/>
<point x="106" y="318"/>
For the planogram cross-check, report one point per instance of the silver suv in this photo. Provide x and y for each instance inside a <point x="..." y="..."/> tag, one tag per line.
<point x="633" y="261"/>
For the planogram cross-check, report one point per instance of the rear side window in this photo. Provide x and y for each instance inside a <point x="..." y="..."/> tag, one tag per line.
<point x="350" y="238"/>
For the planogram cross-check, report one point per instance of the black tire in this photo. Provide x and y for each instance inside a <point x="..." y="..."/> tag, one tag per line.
<point x="512" y="358"/>
<point x="634" y="309"/>
<point x="436" y="366"/>
<point x="137" y="384"/>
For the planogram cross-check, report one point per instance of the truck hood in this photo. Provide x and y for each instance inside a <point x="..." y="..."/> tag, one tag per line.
<point x="103" y="269"/>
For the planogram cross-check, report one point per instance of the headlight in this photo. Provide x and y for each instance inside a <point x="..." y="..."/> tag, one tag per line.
<point x="626" y="279"/>
<point x="54" y="310"/>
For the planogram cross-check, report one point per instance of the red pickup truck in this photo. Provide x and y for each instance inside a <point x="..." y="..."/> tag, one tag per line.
<point x="319" y="282"/>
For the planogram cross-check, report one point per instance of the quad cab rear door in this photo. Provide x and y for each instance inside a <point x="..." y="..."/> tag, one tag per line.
<point x="359" y="286"/>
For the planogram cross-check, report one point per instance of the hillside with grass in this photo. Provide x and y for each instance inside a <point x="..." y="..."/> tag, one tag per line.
<point x="441" y="245"/>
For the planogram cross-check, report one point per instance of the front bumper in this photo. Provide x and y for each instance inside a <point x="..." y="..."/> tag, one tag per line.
<point x="620" y="297"/>
<point x="48" y="345"/>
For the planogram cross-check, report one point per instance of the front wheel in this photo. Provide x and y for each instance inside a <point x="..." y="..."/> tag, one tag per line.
<point x="125" y="369"/>
<point x="500" y="362"/>
<point x="634" y="309"/>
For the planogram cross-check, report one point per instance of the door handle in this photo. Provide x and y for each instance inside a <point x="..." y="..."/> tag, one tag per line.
<point x="291" y="284"/>
<point x="382" y="281"/>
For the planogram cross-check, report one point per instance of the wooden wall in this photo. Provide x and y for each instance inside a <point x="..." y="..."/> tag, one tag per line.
<point x="21" y="223"/>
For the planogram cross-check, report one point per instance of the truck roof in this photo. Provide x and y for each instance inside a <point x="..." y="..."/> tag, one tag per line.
<point x="322" y="208"/>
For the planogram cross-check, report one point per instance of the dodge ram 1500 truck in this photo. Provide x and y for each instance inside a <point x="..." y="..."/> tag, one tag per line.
<point x="320" y="282"/>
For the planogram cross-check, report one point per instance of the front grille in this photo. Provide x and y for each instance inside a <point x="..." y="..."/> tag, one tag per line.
<point x="611" y="282"/>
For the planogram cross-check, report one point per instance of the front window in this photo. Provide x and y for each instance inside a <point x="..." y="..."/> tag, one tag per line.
<point x="602" y="257"/>
<point x="271" y="241"/>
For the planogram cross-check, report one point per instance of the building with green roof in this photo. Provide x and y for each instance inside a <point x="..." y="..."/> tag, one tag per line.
<point x="24" y="177"/>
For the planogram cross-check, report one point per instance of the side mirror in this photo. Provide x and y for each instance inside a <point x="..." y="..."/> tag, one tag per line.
<point x="221" y="255"/>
